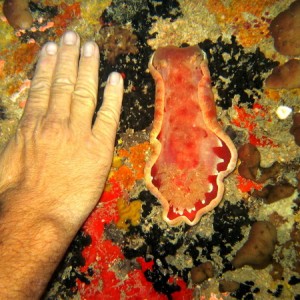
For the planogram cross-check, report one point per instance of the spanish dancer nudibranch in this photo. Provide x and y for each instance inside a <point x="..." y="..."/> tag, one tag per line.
<point x="190" y="153"/>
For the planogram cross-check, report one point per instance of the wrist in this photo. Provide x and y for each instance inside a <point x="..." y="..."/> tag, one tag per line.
<point x="32" y="243"/>
<point x="35" y="210"/>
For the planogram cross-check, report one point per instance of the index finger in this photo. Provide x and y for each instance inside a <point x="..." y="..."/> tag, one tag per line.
<point x="39" y="94"/>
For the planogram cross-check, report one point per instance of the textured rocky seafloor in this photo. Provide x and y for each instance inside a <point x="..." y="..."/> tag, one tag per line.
<point x="246" y="248"/>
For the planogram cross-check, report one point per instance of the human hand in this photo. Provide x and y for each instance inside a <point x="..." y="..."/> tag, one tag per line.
<point x="53" y="171"/>
<point x="57" y="160"/>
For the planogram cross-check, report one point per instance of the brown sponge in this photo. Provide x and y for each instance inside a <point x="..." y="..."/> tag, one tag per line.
<point x="258" y="250"/>
<point x="228" y="286"/>
<point x="202" y="272"/>
<point x="295" y="129"/>
<point x="250" y="164"/>
<point x="285" y="29"/>
<point x="250" y="161"/>
<point x="17" y="13"/>
<point x="286" y="76"/>
<point x="273" y="193"/>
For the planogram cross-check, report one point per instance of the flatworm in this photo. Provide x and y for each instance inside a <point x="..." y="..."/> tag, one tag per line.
<point x="190" y="153"/>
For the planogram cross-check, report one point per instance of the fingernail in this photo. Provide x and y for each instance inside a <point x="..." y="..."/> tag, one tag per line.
<point x="70" y="38"/>
<point x="88" y="49"/>
<point x="114" y="78"/>
<point x="51" y="48"/>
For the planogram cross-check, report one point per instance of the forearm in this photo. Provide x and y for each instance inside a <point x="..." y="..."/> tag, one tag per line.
<point x="32" y="243"/>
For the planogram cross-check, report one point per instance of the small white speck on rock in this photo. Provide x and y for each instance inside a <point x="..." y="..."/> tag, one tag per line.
<point x="283" y="112"/>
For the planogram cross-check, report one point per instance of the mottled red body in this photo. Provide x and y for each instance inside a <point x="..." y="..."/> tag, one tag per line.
<point x="191" y="154"/>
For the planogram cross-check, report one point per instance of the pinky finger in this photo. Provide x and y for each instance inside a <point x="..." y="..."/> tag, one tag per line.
<point x="106" y="124"/>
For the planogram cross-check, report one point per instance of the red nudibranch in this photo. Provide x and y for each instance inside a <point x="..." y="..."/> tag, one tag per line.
<point x="190" y="153"/>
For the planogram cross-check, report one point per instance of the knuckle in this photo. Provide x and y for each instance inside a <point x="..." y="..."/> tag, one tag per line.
<point x="111" y="96"/>
<point x="28" y="122"/>
<point x="63" y="82"/>
<point x="107" y="140"/>
<point x="85" y="97"/>
<point x="53" y="128"/>
<point x="37" y="101"/>
<point x="39" y="85"/>
<point x="25" y="130"/>
<point x="68" y="56"/>
<point x="109" y="116"/>
<point x="28" y="126"/>
<point x="62" y="86"/>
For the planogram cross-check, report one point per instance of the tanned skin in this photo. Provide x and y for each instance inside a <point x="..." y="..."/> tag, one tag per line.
<point x="53" y="170"/>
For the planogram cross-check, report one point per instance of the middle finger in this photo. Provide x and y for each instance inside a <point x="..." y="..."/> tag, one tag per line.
<point x="65" y="75"/>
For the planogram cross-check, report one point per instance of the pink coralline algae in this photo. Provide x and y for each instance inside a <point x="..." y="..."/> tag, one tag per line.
<point x="190" y="153"/>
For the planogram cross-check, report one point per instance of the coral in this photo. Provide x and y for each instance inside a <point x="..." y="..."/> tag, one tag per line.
<point x="17" y="13"/>
<point x="245" y="118"/>
<point x="120" y="12"/>
<point x="133" y="168"/>
<point x="116" y="40"/>
<point x="251" y="28"/>
<point x="136" y="157"/>
<point x="272" y="94"/>
<point x="67" y="14"/>
<point x="276" y="219"/>
<point x="258" y="250"/>
<point x="228" y="286"/>
<point x="92" y="10"/>
<point x="295" y="129"/>
<point x="125" y="176"/>
<point x="130" y="213"/>
<point x="285" y="30"/>
<point x="247" y="185"/>
<point x="202" y="272"/>
<point x="8" y="38"/>
<point x="21" y="59"/>
<point x="286" y="76"/>
<point x="236" y="73"/>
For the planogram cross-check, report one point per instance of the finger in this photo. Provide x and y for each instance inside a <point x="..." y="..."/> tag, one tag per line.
<point x="64" y="77"/>
<point x="39" y="94"/>
<point x="108" y="116"/>
<point x="84" y="98"/>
